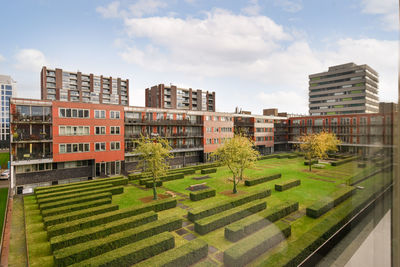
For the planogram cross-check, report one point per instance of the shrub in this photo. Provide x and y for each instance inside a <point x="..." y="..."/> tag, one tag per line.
<point x="84" y="223"/>
<point x="362" y="165"/>
<point x="253" y="223"/>
<point x="41" y="197"/>
<point x="132" y="253"/>
<point x="75" y="215"/>
<point x="256" y="244"/>
<point x="287" y="184"/>
<point x="202" y="194"/>
<point x="182" y="256"/>
<point x="218" y="207"/>
<point x="205" y="166"/>
<point x="81" y="206"/>
<point x="70" y="186"/>
<point x="306" y="163"/>
<point x="157" y="205"/>
<point x="87" y="250"/>
<point x="323" y="205"/>
<point x="301" y="248"/>
<point x="169" y="177"/>
<point x="254" y="181"/>
<point x="292" y="156"/>
<point x="113" y="190"/>
<point x="150" y="184"/>
<point x="77" y="200"/>
<point x="272" y="156"/>
<point x="208" y="224"/>
<point x="138" y="176"/>
<point x="207" y="171"/>
<point x="100" y="231"/>
<point x="185" y="171"/>
<point x="343" y="161"/>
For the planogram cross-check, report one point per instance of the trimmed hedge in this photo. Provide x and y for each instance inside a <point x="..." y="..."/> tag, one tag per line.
<point x="138" y="176"/>
<point x="301" y="248"/>
<point x="253" y="223"/>
<point x="272" y="156"/>
<point x="70" y="186"/>
<point x="113" y="190"/>
<point x="76" y="207"/>
<point x="343" y="161"/>
<point x="103" y="230"/>
<point x="75" y="215"/>
<point x="362" y="165"/>
<point x="256" y="244"/>
<point x="60" y="204"/>
<point x="169" y="177"/>
<point x="307" y="163"/>
<point x="133" y="253"/>
<point x="150" y="184"/>
<point x="287" y="184"/>
<point x="207" y="171"/>
<point x="87" y="250"/>
<point x="323" y="205"/>
<point x="254" y="181"/>
<point x="202" y="194"/>
<point x="184" y="171"/>
<point x="361" y="177"/>
<point x="69" y="227"/>
<point x="208" y="224"/>
<point x="182" y="256"/>
<point x="202" y="212"/>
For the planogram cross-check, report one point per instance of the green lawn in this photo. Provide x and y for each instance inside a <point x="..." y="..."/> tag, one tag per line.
<point x="4" y="158"/>
<point x="314" y="185"/>
<point x="3" y="206"/>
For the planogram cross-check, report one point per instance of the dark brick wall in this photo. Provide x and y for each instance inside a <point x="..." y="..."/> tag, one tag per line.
<point x="132" y="166"/>
<point x="53" y="175"/>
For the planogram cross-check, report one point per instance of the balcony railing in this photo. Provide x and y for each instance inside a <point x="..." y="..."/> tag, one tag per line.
<point x="161" y="122"/>
<point x="31" y="137"/>
<point x="25" y="118"/>
<point x="32" y="156"/>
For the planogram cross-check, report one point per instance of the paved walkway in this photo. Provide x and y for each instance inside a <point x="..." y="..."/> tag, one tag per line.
<point x="17" y="255"/>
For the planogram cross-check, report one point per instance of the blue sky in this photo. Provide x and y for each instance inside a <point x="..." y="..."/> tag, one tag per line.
<point x="253" y="54"/>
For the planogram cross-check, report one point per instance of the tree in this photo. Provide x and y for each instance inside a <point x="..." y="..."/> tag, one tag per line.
<point x="153" y="154"/>
<point x="238" y="154"/>
<point x="317" y="145"/>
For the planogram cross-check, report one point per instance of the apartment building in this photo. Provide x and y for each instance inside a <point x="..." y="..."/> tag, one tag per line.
<point x="173" y="97"/>
<point x="61" y="85"/>
<point x="344" y="89"/>
<point x="8" y="89"/>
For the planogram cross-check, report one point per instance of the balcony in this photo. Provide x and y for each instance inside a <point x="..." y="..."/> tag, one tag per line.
<point x="162" y="122"/>
<point x="30" y="119"/>
<point x="31" y="138"/>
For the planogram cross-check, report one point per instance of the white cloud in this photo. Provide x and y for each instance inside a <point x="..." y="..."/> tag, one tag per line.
<point x="291" y="6"/>
<point x="388" y="11"/>
<point x="146" y="7"/>
<point x="110" y="11"/>
<point x="285" y="101"/>
<point x="2" y="58"/>
<point x="30" y="59"/>
<point x="253" y="9"/>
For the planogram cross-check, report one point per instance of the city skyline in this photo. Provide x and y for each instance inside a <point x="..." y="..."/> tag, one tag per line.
<point x="268" y="50"/>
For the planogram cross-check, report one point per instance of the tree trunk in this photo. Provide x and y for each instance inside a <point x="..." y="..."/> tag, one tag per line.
<point x="309" y="165"/>
<point x="154" y="189"/>
<point x="234" y="185"/>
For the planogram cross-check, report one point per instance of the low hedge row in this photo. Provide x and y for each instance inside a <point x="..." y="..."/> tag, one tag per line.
<point x="272" y="156"/>
<point x="76" y="207"/>
<point x="254" y="181"/>
<point x="114" y="190"/>
<point x="287" y="184"/>
<point x="208" y="224"/>
<point x="343" y="161"/>
<point x="132" y="253"/>
<point x="70" y="186"/>
<point x="202" y="212"/>
<point x="100" y="231"/>
<point x="301" y="248"/>
<point x="323" y="205"/>
<point x="138" y="176"/>
<point x="362" y="165"/>
<point x="77" y="225"/>
<point x="182" y="256"/>
<point x="169" y="177"/>
<point x="185" y="171"/>
<point x="202" y="194"/>
<point x="253" y="223"/>
<point x="205" y="166"/>
<point x="207" y="171"/>
<point x="307" y="163"/>
<point x="361" y="177"/>
<point x="150" y="184"/>
<point x="60" y="204"/>
<point x="87" y="250"/>
<point x="256" y="244"/>
<point x="75" y="215"/>
<point x="92" y="187"/>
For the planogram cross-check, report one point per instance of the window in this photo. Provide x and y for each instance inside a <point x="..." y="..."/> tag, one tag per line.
<point x="100" y="147"/>
<point x="114" y="114"/>
<point x="73" y="113"/>
<point x="74" y="130"/>
<point x="100" y="130"/>
<point x="74" y="148"/>
<point x="114" y="130"/>
<point x="100" y="114"/>
<point x="115" y="146"/>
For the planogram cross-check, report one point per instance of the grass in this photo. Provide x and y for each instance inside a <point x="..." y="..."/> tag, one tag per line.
<point x="3" y="207"/>
<point x="314" y="185"/>
<point x="4" y="158"/>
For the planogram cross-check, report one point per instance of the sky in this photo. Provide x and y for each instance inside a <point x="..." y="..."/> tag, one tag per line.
<point x="254" y="54"/>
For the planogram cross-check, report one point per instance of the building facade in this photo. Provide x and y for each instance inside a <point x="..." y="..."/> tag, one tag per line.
<point x="163" y="96"/>
<point x="8" y="89"/>
<point x="57" y="84"/>
<point x="344" y="89"/>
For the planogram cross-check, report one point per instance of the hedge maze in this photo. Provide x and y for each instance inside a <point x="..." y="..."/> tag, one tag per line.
<point x="85" y="225"/>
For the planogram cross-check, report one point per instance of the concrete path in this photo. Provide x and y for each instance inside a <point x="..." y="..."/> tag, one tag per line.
<point x="17" y="255"/>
